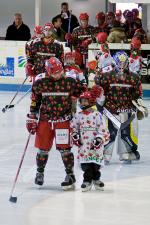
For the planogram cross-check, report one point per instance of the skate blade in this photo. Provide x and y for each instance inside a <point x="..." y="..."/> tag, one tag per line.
<point x="69" y="187"/>
<point x="86" y="189"/>
<point x="99" y="188"/>
<point x="127" y="162"/>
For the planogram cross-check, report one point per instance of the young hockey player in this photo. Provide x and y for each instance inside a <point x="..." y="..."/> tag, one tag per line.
<point x="51" y="105"/>
<point x="89" y="133"/>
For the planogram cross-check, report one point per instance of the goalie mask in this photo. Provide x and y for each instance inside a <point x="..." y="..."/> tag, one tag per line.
<point x="121" y="61"/>
<point x="54" y="68"/>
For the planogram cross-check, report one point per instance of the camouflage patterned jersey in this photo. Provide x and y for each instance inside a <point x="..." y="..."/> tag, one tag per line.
<point x="53" y="98"/>
<point x="38" y="52"/>
<point x="120" y="90"/>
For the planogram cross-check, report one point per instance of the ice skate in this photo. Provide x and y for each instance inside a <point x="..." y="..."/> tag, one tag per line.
<point x="69" y="182"/>
<point x="86" y="186"/>
<point x="99" y="185"/>
<point x="106" y="162"/>
<point x="127" y="162"/>
<point x="137" y="155"/>
<point x="39" y="179"/>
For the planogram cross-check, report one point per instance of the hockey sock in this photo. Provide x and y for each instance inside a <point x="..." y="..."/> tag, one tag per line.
<point x="41" y="160"/>
<point x="68" y="160"/>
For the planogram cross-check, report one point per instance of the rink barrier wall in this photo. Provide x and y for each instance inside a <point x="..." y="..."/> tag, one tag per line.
<point x="13" y="60"/>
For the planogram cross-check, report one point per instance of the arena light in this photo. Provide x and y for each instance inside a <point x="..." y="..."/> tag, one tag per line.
<point x="127" y="1"/>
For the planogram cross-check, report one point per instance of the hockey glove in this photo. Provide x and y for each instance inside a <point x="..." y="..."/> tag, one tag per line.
<point x="76" y="139"/>
<point x="31" y="123"/>
<point x="97" y="143"/>
<point x="86" y="42"/>
<point x="68" y="37"/>
<point x="29" y="70"/>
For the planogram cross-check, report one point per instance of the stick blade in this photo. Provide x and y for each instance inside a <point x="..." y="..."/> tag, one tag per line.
<point x="13" y="199"/>
<point x="9" y="106"/>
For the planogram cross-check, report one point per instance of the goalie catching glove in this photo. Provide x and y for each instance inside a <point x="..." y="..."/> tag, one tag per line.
<point x="142" y="111"/>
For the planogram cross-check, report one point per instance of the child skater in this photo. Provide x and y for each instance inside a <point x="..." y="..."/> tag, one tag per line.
<point x="89" y="133"/>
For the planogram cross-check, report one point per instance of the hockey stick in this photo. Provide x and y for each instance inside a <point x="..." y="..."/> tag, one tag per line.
<point x="69" y="25"/>
<point x="14" y="198"/>
<point x="110" y="116"/>
<point x="20" y="99"/>
<point x="9" y="105"/>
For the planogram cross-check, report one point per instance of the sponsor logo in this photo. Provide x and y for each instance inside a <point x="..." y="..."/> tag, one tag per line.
<point x="7" y="70"/>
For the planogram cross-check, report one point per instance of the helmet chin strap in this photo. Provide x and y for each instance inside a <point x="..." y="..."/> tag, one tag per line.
<point x="83" y="107"/>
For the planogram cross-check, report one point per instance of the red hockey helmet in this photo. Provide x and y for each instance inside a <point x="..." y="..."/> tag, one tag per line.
<point x="84" y="16"/>
<point x="53" y="66"/>
<point x="48" y="29"/>
<point x="135" y="13"/>
<point x="110" y="15"/>
<point x="135" y="43"/>
<point x="100" y="16"/>
<point x="129" y="15"/>
<point x="86" y="95"/>
<point x="118" y="13"/>
<point x="125" y="12"/>
<point x="38" y="30"/>
<point x="101" y="37"/>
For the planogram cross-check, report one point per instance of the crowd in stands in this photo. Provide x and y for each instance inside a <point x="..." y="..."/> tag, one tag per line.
<point x="119" y="26"/>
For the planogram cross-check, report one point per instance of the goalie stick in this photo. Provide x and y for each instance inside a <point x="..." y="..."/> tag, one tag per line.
<point x="110" y="116"/>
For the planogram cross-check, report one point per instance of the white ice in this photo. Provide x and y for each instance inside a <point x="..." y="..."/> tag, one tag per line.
<point x="125" y="200"/>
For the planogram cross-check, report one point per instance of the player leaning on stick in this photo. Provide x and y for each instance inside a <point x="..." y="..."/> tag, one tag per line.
<point x="52" y="104"/>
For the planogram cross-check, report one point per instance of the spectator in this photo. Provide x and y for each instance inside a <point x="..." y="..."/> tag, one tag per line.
<point x="58" y="31"/>
<point x="117" y="34"/>
<point x="129" y="24"/>
<point x="18" y="31"/>
<point x="139" y="31"/>
<point x="69" y="21"/>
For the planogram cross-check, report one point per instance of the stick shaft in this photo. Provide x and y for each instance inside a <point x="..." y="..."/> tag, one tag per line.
<point x="20" y="164"/>
<point x="17" y="92"/>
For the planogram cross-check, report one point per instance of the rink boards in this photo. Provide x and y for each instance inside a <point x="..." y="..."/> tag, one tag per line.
<point x="13" y="60"/>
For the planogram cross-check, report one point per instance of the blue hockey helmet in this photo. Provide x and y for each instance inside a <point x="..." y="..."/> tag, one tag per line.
<point x="121" y="60"/>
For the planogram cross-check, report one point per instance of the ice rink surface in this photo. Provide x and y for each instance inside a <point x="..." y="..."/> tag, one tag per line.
<point x="125" y="200"/>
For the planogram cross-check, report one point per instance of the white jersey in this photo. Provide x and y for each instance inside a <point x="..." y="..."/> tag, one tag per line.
<point x="90" y="125"/>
